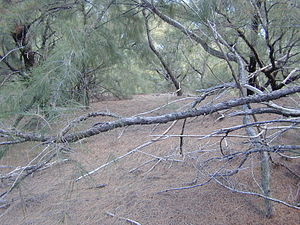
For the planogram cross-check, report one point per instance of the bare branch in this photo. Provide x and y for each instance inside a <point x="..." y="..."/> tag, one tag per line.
<point x="257" y="195"/>
<point x="218" y="87"/>
<point x="130" y="121"/>
<point x="85" y="117"/>
<point x="10" y="51"/>
<point x="265" y="111"/>
<point x="161" y="59"/>
<point x="139" y="120"/>
<point x="187" y="32"/>
<point x="127" y="154"/>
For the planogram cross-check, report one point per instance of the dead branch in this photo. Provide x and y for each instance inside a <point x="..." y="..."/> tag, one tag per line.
<point x="257" y="195"/>
<point x="138" y="120"/>
<point x="130" y="121"/>
<point x="265" y="111"/>
<point x="165" y="105"/>
<point x="128" y="153"/>
<point x="218" y="87"/>
<point x="225" y="130"/>
<point x="167" y="68"/>
<point x="76" y="121"/>
<point x="28" y="169"/>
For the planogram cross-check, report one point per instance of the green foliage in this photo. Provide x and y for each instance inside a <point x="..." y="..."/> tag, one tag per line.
<point x="80" y="57"/>
<point x="83" y="50"/>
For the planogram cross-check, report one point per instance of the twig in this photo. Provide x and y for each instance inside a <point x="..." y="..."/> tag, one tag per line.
<point x="257" y="195"/>
<point x="12" y="142"/>
<point x="218" y="87"/>
<point x="10" y="51"/>
<point x="196" y="185"/>
<point x="140" y="166"/>
<point x="152" y="168"/>
<point x="85" y="117"/>
<point x="22" y="170"/>
<point x="165" y="105"/>
<point x="29" y="168"/>
<point x="265" y="111"/>
<point x="181" y="138"/>
<point x="127" y="154"/>
<point x="201" y="136"/>
<point x="124" y="218"/>
<point x="289" y="157"/>
<point x="186" y="187"/>
<point x="119" y="158"/>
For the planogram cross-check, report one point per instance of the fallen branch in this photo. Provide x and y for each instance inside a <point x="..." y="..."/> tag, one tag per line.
<point x="127" y="154"/>
<point x="84" y="118"/>
<point x="28" y="169"/>
<point x="264" y="111"/>
<point x="257" y="195"/>
<point x="130" y="121"/>
<point x="139" y="120"/>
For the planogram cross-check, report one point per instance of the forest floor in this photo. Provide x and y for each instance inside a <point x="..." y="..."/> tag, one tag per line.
<point x="129" y="189"/>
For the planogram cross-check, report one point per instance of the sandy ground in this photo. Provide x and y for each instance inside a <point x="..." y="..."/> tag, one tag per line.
<point x="129" y="191"/>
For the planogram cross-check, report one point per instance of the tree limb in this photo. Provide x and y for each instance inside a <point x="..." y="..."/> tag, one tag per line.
<point x="179" y="115"/>
<point x="188" y="32"/>
<point x="140" y="120"/>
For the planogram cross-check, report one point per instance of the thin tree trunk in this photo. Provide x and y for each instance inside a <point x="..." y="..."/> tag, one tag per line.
<point x="264" y="157"/>
<point x="161" y="59"/>
<point x="253" y="39"/>
<point x="257" y="143"/>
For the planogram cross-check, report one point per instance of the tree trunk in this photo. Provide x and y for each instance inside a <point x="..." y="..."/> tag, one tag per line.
<point x="257" y="143"/>
<point x="161" y="59"/>
<point x="20" y="36"/>
<point x="253" y="39"/>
